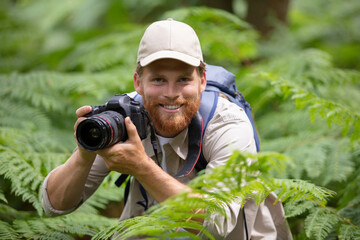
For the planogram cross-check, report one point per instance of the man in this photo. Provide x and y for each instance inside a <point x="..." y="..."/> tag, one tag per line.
<point x="170" y="77"/>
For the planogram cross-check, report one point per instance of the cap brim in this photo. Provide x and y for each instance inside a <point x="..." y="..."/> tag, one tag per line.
<point x="170" y="54"/>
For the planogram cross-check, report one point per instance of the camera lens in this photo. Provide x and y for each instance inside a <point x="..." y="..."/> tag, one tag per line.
<point x="94" y="133"/>
<point x="101" y="130"/>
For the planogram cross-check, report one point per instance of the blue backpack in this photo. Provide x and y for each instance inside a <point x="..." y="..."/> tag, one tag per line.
<point x="219" y="81"/>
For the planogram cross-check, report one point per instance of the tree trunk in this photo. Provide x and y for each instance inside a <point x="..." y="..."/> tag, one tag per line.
<point x="259" y="13"/>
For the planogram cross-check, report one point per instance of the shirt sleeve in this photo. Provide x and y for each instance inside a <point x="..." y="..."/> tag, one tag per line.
<point x="229" y="130"/>
<point x="96" y="175"/>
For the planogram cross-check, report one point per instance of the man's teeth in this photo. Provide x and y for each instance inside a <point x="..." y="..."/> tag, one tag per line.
<point x="171" y="106"/>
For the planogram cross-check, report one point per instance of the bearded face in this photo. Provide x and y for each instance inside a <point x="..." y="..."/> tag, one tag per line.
<point x="171" y="94"/>
<point x="173" y="123"/>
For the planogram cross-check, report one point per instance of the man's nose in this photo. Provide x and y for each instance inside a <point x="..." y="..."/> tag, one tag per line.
<point x="172" y="91"/>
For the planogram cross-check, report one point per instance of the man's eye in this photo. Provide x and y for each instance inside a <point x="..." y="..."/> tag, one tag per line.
<point x="184" y="79"/>
<point x="158" y="80"/>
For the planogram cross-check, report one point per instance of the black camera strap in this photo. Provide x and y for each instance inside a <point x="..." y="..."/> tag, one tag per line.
<point x="153" y="137"/>
<point x="195" y="135"/>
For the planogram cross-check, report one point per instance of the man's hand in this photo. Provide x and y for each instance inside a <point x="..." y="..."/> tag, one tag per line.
<point x="128" y="157"/>
<point x="80" y="112"/>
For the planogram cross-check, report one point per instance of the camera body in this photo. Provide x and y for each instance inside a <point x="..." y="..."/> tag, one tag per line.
<point x="105" y="124"/>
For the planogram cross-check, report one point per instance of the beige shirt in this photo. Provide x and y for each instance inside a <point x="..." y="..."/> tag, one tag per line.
<point x="228" y="130"/>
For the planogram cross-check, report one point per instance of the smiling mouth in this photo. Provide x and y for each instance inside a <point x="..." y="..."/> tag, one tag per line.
<point x="171" y="107"/>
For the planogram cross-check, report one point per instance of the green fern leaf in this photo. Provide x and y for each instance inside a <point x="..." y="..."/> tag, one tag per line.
<point x="64" y="227"/>
<point x="297" y="208"/>
<point x="294" y="190"/>
<point x="15" y="168"/>
<point x="319" y="223"/>
<point x="7" y="232"/>
<point x="349" y="232"/>
<point x="340" y="115"/>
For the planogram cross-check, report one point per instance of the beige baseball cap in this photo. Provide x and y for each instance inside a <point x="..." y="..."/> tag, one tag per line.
<point x="170" y="39"/>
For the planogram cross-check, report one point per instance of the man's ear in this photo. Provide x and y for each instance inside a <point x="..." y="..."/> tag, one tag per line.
<point x="137" y="83"/>
<point x="203" y="82"/>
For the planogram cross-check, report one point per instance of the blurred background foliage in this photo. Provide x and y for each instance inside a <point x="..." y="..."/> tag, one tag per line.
<point x="297" y="63"/>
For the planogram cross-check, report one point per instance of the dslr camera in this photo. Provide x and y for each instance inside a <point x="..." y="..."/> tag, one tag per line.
<point x="105" y="124"/>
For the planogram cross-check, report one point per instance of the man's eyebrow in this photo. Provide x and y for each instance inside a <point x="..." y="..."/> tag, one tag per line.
<point x="156" y="75"/>
<point x="187" y="72"/>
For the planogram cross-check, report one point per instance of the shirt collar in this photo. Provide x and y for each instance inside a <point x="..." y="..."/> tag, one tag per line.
<point x="179" y="144"/>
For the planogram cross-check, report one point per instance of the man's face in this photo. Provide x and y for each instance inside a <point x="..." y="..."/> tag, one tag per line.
<point x="171" y="94"/>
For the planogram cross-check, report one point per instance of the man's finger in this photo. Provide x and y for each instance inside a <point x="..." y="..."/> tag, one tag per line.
<point x="131" y="129"/>
<point x="80" y="119"/>
<point x="83" y="110"/>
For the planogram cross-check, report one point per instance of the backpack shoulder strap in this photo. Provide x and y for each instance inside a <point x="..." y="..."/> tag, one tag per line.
<point x="207" y="108"/>
<point x="208" y="105"/>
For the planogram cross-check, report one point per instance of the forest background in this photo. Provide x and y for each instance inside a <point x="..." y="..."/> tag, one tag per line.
<point x="296" y="62"/>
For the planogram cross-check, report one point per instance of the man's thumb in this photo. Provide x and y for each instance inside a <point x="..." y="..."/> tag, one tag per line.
<point x="131" y="129"/>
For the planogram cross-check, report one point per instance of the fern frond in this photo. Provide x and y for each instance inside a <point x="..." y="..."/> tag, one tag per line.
<point x="339" y="165"/>
<point x="319" y="223"/>
<point x="104" y="52"/>
<point x="26" y="162"/>
<point x="333" y="112"/>
<point x="310" y="68"/>
<point x="309" y="148"/>
<point x="296" y="208"/>
<point x="64" y="227"/>
<point x="25" y="179"/>
<point x="151" y="226"/>
<point x="52" y="144"/>
<point x="294" y="190"/>
<point x="287" y="122"/>
<point x="44" y="96"/>
<point x="7" y="232"/>
<point x="349" y="232"/>
<point x="12" y="115"/>
<point x="323" y="220"/>
<point x="46" y="90"/>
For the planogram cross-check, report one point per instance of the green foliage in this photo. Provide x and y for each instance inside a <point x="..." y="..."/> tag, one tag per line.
<point x="335" y="113"/>
<point x="302" y="82"/>
<point x="65" y="227"/>
<point x="165" y="219"/>
<point x="7" y="232"/>
<point x="330" y="26"/>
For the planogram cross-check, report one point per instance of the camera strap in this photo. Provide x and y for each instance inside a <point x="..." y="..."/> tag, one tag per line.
<point x="153" y="137"/>
<point x="195" y="135"/>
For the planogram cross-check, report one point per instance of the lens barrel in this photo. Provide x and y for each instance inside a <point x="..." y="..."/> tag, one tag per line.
<point x="101" y="131"/>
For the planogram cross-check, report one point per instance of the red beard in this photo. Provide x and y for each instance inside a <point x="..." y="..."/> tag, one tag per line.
<point x="170" y="125"/>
